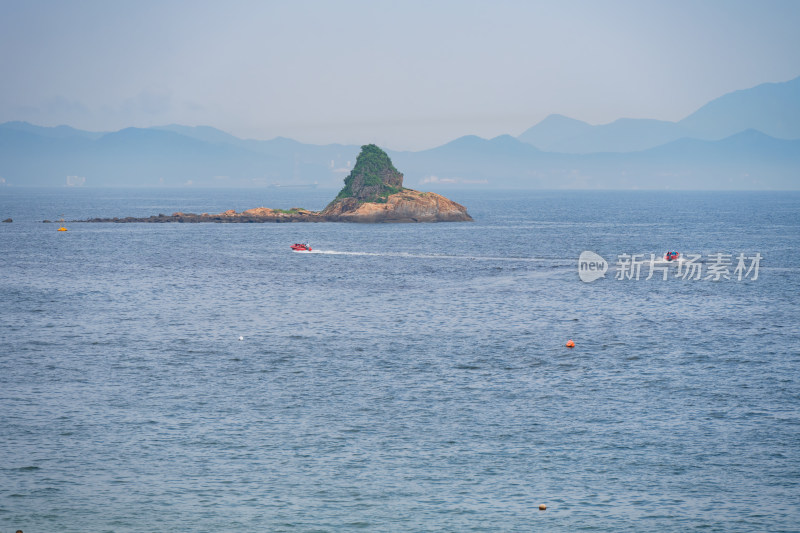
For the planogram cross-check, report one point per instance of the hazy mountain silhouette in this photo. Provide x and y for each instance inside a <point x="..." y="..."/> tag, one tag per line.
<point x="772" y="108"/>
<point x="170" y="155"/>
<point x="743" y="140"/>
<point x="201" y="133"/>
<point x="58" y="132"/>
<point x="748" y="160"/>
<point x="554" y="130"/>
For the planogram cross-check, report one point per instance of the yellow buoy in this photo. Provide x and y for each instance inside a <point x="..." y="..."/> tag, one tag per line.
<point x="62" y="228"/>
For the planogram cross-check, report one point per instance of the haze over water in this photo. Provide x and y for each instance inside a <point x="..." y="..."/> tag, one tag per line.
<point x="415" y="379"/>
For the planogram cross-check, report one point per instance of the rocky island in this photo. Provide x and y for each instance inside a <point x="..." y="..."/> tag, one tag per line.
<point x="372" y="192"/>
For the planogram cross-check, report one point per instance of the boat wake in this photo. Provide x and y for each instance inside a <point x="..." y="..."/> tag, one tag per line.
<point x="434" y="256"/>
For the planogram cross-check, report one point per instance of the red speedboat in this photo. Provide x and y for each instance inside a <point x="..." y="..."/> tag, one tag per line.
<point x="301" y="247"/>
<point x="672" y="256"/>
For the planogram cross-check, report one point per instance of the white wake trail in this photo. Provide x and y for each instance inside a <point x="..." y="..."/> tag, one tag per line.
<point x="433" y="256"/>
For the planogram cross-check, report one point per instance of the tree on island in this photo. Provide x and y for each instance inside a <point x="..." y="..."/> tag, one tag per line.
<point x="373" y="177"/>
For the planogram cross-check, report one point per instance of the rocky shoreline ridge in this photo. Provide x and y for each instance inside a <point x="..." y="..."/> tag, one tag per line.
<point x="373" y="192"/>
<point x="405" y="206"/>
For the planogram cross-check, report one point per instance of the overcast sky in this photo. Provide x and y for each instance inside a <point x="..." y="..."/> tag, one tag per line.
<point x="405" y="75"/>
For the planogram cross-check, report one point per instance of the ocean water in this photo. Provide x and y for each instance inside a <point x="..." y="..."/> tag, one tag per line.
<point x="407" y="378"/>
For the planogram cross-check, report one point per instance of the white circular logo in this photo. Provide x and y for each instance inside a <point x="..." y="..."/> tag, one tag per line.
<point x="591" y="266"/>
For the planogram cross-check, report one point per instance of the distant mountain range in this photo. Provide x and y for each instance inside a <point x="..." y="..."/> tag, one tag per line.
<point x="747" y="139"/>
<point x="771" y="108"/>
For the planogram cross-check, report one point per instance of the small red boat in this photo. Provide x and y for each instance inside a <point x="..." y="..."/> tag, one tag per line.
<point x="672" y="256"/>
<point x="301" y="247"/>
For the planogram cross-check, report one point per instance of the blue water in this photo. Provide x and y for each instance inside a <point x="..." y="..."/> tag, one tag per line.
<point x="415" y="380"/>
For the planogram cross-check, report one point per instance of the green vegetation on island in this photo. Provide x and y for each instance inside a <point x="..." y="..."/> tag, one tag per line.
<point x="373" y="177"/>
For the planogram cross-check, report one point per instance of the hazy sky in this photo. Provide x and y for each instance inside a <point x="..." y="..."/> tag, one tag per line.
<point x="404" y="75"/>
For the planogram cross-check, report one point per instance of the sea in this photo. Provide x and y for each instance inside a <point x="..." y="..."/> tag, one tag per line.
<point x="402" y="377"/>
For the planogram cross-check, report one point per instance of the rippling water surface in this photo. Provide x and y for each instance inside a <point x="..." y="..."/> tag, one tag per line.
<point x="409" y="378"/>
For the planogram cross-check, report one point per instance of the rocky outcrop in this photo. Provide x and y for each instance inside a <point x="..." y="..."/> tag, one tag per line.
<point x="404" y="206"/>
<point x="372" y="192"/>
<point x="257" y="215"/>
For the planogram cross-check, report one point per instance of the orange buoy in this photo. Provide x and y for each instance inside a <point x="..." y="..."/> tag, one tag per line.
<point x="542" y="507"/>
<point x="570" y="343"/>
